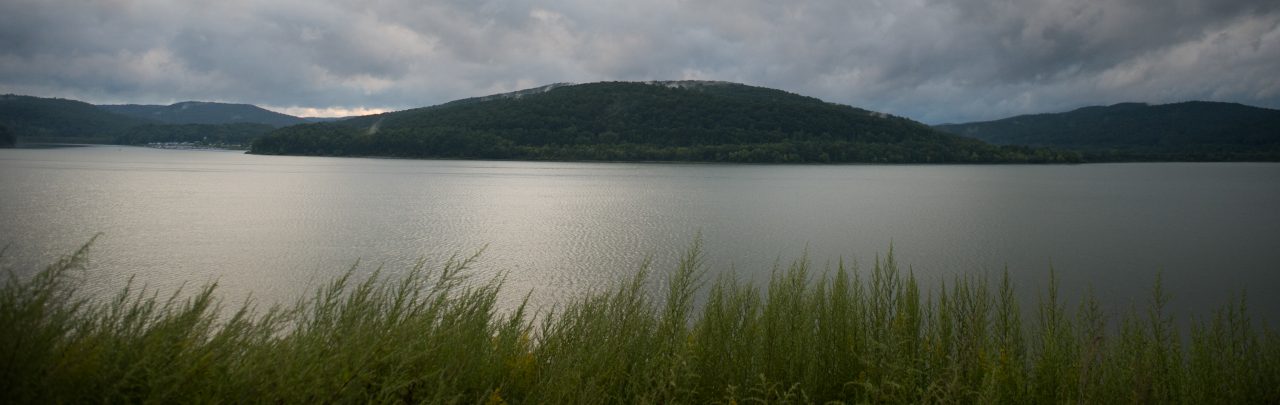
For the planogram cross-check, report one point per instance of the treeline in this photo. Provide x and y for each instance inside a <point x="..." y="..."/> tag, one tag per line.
<point x="1190" y="131"/>
<point x="7" y="139"/>
<point x="338" y="140"/>
<point x="1192" y="153"/>
<point x="59" y="120"/>
<point x="240" y="134"/>
<point x="689" y="121"/>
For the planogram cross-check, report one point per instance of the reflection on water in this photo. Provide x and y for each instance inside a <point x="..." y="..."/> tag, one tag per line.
<point x="275" y="226"/>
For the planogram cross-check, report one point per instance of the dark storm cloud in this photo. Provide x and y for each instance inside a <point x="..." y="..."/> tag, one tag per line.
<point x="931" y="60"/>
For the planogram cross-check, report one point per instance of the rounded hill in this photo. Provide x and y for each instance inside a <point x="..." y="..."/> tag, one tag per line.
<point x="660" y="121"/>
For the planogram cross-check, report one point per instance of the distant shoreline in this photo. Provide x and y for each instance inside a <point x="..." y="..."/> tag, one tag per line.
<point x="56" y="145"/>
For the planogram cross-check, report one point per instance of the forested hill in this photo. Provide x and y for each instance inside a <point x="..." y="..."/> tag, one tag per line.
<point x="36" y="119"/>
<point x="643" y="121"/>
<point x="1194" y="130"/>
<point x="55" y="117"/>
<point x="7" y="139"/>
<point x="197" y="112"/>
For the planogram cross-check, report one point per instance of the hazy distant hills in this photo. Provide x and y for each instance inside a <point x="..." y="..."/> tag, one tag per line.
<point x="1194" y="130"/>
<point x="197" y="112"/>
<point x="643" y="121"/>
<point x="36" y="119"/>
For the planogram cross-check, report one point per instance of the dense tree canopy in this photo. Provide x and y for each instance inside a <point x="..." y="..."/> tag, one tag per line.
<point x="54" y="117"/>
<point x="209" y="134"/>
<point x="664" y="121"/>
<point x="60" y="120"/>
<point x="1130" y="131"/>
<point x="196" y="112"/>
<point x="7" y="139"/>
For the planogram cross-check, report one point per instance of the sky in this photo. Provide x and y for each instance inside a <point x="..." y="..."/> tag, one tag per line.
<point x="935" y="61"/>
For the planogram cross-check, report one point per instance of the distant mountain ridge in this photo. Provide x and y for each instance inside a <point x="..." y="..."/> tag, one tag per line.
<point x="670" y="120"/>
<point x="642" y="121"/>
<point x="38" y="119"/>
<point x="1193" y="130"/>
<point x="200" y="112"/>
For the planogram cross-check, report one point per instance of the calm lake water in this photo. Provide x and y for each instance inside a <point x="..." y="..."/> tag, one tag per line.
<point x="275" y="227"/>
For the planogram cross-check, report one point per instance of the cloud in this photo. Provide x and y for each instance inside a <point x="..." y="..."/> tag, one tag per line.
<point x="931" y="60"/>
<point x="331" y="112"/>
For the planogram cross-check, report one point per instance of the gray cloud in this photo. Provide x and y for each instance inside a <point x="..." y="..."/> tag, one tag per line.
<point x="932" y="60"/>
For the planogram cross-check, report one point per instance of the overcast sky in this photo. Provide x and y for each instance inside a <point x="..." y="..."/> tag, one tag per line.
<point x="932" y="60"/>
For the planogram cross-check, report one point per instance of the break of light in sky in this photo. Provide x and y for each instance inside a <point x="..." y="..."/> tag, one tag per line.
<point x="932" y="60"/>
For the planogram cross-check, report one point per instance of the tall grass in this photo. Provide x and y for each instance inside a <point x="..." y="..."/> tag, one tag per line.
<point x="810" y="335"/>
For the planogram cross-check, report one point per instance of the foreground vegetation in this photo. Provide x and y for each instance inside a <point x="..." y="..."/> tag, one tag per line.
<point x="433" y="335"/>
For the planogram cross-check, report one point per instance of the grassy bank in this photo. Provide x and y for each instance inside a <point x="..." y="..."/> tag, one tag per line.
<point x="433" y="335"/>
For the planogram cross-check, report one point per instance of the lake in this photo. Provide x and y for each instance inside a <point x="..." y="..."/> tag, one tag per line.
<point x="274" y="227"/>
